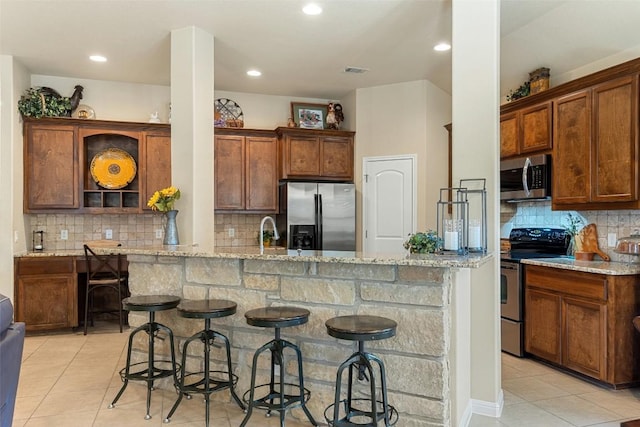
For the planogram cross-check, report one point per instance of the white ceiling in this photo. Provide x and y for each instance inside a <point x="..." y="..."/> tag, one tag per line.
<point x="301" y="55"/>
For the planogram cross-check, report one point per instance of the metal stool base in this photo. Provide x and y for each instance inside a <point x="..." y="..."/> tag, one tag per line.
<point x="280" y="401"/>
<point x="276" y="399"/>
<point x="151" y="373"/>
<point x="343" y="413"/>
<point x="205" y="384"/>
<point x="350" y="416"/>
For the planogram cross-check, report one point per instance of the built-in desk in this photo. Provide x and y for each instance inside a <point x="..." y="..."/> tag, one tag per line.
<point x="49" y="290"/>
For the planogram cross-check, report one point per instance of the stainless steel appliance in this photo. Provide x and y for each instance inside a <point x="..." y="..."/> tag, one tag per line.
<point x="318" y="215"/>
<point x="525" y="178"/>
<point x="525" y="243"/>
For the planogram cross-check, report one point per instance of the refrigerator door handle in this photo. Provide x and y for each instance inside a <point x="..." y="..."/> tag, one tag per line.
<point x="319" y="220"/>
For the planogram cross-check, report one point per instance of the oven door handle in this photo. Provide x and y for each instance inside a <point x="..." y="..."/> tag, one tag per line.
<point x="525" y="183"/>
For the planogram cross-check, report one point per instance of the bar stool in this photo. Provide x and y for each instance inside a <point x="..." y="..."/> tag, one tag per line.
<point x="361" y="328"/>
<point x="204" y="382"/>
<point x="150" y="372"/>
<point x="276" y="398"/>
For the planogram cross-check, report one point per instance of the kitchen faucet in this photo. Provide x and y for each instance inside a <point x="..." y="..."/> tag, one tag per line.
<point x="276" y="236"/>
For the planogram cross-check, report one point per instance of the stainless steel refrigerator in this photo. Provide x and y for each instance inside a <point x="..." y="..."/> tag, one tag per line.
<point x="318" y="215"/>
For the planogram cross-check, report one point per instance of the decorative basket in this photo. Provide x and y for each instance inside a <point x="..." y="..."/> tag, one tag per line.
<point x="539" y="80"/>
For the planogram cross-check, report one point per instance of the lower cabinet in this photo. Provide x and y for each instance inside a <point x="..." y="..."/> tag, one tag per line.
<point x="583" y="322"/>
<point x="46" y="293"/>
<point x="542" y="320"/>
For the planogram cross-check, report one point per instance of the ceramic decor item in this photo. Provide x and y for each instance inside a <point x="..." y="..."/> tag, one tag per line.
<point x="113" y="168"/>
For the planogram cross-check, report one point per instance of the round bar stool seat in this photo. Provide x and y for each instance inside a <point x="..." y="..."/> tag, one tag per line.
<point x="275" y="398"/>
<point x="277" y="317"/>
<point x="361" y="411"/>
<point x="204" y="382"/>
<point x="361" y="327"/>
<point x="152" y="369"/>
<point x="206" y="309"/>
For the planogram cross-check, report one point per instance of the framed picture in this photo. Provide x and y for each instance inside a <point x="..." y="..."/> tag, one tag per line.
<point x="309" y="116"/>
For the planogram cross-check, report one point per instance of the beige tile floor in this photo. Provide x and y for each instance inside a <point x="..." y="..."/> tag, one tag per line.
<point x="70" y="379"/>
<point x="536" y="395"/>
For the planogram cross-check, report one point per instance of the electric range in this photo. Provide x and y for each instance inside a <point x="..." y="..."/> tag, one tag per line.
<point x="532" y="242"/>
<point x="525" y="243"/>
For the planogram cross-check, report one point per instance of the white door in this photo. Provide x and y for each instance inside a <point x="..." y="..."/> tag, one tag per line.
<point x="389" y="203"/>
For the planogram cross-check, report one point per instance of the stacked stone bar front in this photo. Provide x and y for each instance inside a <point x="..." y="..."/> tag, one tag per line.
<point x="416" y="297"/>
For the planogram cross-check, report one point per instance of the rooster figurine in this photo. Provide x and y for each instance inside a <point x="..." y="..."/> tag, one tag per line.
<point x="339" y="115"/>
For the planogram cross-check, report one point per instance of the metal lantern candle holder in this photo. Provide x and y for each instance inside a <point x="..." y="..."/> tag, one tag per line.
<point x="475" y="193"/>
<point x="452" y="220"/>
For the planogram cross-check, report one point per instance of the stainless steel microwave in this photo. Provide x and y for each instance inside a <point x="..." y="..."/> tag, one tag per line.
<point x="525" y="178"/>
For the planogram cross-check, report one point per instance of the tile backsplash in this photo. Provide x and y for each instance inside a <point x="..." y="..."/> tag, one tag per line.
<point x="238" y="229"/>
<point x="537" y="214"/>
<point x="136" y="230"/>
<point x="132" y="230"/>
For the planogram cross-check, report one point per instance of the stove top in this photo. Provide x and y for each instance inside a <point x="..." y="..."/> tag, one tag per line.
<point x="518" y="255"/>
<point x="536" y="242"/>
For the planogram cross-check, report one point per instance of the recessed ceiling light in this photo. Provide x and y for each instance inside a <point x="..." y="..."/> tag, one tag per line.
<point x="254" y="73"/>
<point x="442" y="47"/>
<point x="312" y="9"/>
<point x="98" y="58"/>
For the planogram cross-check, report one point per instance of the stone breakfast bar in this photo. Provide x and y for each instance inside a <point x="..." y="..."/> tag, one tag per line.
<point x="418" y="292"/>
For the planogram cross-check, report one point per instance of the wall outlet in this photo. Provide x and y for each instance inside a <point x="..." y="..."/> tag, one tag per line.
<point x="612" y="239"/>
<point x="158" y="233"/>
<point x="232" y="232"/>
<point x="64" y="234"/>
<point x="108" y="234"/>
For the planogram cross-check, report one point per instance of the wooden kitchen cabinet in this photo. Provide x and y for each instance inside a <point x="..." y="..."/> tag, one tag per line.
<point x="50" y="167"/>
<point x="542" y="331"/>
<point x="583" y="322"/>
<point x="245" y="171"/>
<point x="596" y="147"/>
<point x="46" y="293"/>
<point x="58" y="154"/>
<point x="315" y="154"/>
<point x="526" y="131"/>
<point x="155" y="155"/>
<point x="584" y="336"/>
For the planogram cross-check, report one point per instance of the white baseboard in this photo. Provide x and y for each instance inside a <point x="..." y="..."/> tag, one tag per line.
<point x="488" y="409"/>
<point x="465" y="419"/>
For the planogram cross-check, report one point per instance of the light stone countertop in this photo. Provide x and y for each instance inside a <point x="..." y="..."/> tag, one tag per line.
<point x="281" y="254"/>
<point x="598" y="267"/>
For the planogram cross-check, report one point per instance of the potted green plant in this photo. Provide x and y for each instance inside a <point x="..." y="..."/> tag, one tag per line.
<point x="426" y="242"/>
<point x="44" y="102"/>
<point x="267" y="236"/>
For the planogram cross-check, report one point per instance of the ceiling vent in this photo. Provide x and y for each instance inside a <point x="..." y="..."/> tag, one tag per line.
<point x="355" y="70"/>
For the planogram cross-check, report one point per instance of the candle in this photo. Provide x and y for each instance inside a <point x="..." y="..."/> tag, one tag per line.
<point x="475" y="240"/>
<point x="451" y="240"/>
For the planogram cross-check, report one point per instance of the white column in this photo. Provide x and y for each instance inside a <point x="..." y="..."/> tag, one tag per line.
<point x="192" y="76"/>
<point x="475" y="119"/>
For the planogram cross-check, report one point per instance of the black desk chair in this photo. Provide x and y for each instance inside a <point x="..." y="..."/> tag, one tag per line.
<point x="104" y="271"/>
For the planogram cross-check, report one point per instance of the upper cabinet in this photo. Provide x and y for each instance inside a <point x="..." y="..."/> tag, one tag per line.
<point x="94" y="166"/>
<point x="50" y="166"/>
<point x="525" y="131"/>
<point x="590" y="127"/>
<point x="596" y="147"/>
<point x="245" y="170"/>
<point x="315" y="154"/>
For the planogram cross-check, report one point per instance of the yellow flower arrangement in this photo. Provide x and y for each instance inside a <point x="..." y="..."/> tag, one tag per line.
<point x="163" y="200"/>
